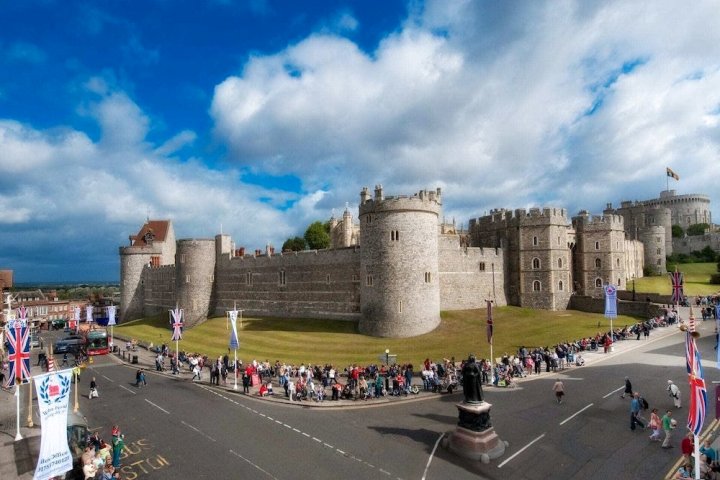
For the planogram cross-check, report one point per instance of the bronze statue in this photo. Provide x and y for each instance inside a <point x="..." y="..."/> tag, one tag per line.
<point x="472" y="379"/>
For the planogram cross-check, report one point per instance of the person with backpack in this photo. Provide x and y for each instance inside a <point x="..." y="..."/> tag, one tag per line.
<point x="635" y="406"/>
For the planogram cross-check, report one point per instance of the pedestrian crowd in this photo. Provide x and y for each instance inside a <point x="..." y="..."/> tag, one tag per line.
<point x="101" y="460"/>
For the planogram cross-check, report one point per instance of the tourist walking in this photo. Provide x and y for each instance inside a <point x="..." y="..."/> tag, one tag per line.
<point x="655" y="425"/>
<point x="674" y="392"/>
<point x="628" y="388"/>
<point x="118" y="443"/>
<point x="635" y="406"/>
<point x="93" y="389"/>
<point x="667" y="426"/>
<point x="559" y="390"/>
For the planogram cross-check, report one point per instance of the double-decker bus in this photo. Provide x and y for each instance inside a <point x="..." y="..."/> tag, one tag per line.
<point x="97" y="342"/>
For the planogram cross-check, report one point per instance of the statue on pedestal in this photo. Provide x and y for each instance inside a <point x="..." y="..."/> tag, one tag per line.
<point x="472" y="379"/>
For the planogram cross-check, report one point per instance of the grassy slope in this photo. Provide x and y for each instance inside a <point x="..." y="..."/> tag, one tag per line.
<point x="697" y="276"/>
<point x="321" y="341"/>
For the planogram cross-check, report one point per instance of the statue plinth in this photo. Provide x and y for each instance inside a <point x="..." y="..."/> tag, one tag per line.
<point x="474" y="437"/>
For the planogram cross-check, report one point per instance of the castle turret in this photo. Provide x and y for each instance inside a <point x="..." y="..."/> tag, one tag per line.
<point x="600" y="253"/>
<point x="195" y="279"/>
<point x="400" y="293"/>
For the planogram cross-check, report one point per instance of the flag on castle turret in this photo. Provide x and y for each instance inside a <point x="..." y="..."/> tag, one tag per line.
<point x="672" y="174"/>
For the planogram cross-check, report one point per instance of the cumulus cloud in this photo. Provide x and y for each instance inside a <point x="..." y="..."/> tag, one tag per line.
<point x="501" y="104"/>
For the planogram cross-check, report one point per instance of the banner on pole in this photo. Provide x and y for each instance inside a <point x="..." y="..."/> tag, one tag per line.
<point x="177" y="323"/>
<point x="18" y="339"/>
<point x="111" y="315"/>
<point x="234" y="343"/>
<point x="489" y="326"/>
<point x="53" y="392"/>
<point x="698" y="392"/>
<point x="677" y="287"/>
<point x="89" y="313"/>
<point x="610" y="301"/>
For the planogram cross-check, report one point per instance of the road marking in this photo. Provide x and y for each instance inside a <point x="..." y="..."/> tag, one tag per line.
<point x="107" y="378"/>
<point x="251" y="463"/>
<point x="317" y="439"/>
<point x="296" y="430"/>
<point x="384" y="471"/>
<point x="306" y="434"/>
<point x="571" y="379"/>
<point x="340" y="451"/>
<point x="126" y="388"/>
<point x="427" y="466"/>
<point x="157" y="406"/>
<point x="520" y="451"/>
<point x="614" y="391"/>
<point x="575" y="414"/>
<point x="197" y="430"/>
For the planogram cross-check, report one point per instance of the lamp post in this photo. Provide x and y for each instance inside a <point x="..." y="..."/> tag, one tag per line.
<point x="30" y="423"/>
<point x="77" y="405"/>
<point x="387" y="357"/>
<point x="633" y="280"/>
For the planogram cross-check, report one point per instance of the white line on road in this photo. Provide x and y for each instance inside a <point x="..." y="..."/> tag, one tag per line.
<point x="520" y="451"/>
<point x="107" y="378"/>
<point x="575" y="414"/>
<point x="251" y="463"/>
<point x="614" y="391"/>
<point x="571" y="378"/>
<point x="197" y="430"/>
<point x="427" y="466"/>
<point x="157" y="406"/>
<point x="126" y="388"/>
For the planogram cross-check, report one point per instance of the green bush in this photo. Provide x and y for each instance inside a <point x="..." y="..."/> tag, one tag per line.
<point x="677" y="231"/>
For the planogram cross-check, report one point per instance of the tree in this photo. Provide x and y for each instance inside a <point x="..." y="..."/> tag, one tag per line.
<point x="317" y="236"/>
<point x="677" y="231"/>
<point x="697" y="229"/>
<point x="294" y="244"/>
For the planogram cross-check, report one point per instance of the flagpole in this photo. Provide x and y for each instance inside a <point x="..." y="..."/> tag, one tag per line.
<point x="29" y="417"/>
<point x="17" y="410"/>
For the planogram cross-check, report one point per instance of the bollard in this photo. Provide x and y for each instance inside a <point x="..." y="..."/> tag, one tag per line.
<point x="134" y="359"/>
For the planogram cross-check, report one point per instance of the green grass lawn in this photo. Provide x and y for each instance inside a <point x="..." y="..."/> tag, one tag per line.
<point x="334" y="341"/>
<point x="697" y="280"/>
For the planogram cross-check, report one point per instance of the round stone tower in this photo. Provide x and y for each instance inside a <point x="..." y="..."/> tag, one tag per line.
<point x="195" y="263"/>
<point x="653" y="239"/>
<point x="400" y="295"/>
<point x="133" y="260"/>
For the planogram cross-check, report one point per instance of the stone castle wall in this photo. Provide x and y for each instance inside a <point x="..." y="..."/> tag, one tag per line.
<point x="689" y="244"/>
<point x="159" y="289"/>
<point x="195" y="278"/>
<point x="469" y="275"/>
<point x="317" y="284"/>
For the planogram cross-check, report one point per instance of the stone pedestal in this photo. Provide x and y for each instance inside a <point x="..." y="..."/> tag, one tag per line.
<point x="474" y="437"/>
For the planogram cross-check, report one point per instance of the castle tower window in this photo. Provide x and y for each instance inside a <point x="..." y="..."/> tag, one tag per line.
<point x="535" y="241"/>
<point x="619" y="283"/>
<point x="482" y="266"/>
<point x="428" y="277"/>
<point x="400" y="306"/>
<point x="182" y="258"/>
<point x="558" y="239"/>
<point x="248" y="278"/>
<point x="281" y="277"/>
<point x="536" y="286"/>
<point x="369" y="281"/>
<point x="560" y="263"/>
<point x="659" y="252"/>
<point x="394" y="235"/>
<point x="560" y="286"/>
<point x="598" y="263"/>
<point x="597" y="245"/>
<point x="327" y="279"/>
<point x="659" y="261"/>
<point x="598" y="283"/>
<point x="187" y="278"/>
<point x="617" y="262"/>
<point x="536" y="263"/>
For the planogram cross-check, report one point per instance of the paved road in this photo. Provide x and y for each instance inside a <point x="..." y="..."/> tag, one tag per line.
<point x="176" y="428"/>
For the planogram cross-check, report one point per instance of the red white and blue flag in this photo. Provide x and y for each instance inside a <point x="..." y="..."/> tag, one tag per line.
<point x="698" y="393"/>
<point x="489" y="326"/>
<point x="18" y="339"/>
<point x="677" y="287"/>
<point x="177" y="323"/>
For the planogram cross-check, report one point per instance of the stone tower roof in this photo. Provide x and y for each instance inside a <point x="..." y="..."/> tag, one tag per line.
<point x="151" y="231"/>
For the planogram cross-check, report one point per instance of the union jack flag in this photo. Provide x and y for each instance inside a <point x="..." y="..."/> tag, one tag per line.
<point x="698" y="393"/>
<point x="177" y="323"/>
<point x="489" y="326"/>
<point x="677" y="287"/>
<point x="18" y="337"/>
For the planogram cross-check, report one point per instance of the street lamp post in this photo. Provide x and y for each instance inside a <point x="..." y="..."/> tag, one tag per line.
<point x="633" y="280"/>
<point x="387" y="357"/>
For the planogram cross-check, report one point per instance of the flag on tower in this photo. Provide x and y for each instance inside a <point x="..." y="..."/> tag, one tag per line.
<point x="677" y="287"/>
<point x="234" y="343"/>
<point x="672" y="174"/>
<point x="18" y="341"/>
<point x="489" y="326"/>
<point x="698" y="393"/>
<point x="177" y="323"/>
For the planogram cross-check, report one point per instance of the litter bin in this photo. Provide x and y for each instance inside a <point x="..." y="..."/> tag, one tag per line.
<point x="134" y="359"/>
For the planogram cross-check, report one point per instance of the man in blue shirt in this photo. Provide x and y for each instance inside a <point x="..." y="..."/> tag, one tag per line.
<point x="635" y="406"/>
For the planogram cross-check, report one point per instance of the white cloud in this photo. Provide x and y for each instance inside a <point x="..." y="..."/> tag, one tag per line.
<point x="493" y="102"/>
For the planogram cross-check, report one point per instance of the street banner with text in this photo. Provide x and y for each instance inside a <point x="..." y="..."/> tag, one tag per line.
<point x="53" y="392"/>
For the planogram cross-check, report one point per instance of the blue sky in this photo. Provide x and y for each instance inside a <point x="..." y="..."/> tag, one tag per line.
<point x="263" y="116"/>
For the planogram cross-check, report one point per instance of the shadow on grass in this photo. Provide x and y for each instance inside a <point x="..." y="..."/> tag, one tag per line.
<point x="300" y="325"/>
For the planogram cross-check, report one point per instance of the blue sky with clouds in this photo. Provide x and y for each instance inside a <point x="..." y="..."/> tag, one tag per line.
<point x="262" y="116"/>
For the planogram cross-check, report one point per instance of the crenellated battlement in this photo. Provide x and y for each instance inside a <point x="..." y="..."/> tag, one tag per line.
<point x="424" y="200"/>
<point x="501" y="218"/>
<point x="586" y="222"/>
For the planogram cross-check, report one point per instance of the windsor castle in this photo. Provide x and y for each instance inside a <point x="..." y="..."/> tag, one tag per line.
<point x="400" y="265"/>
